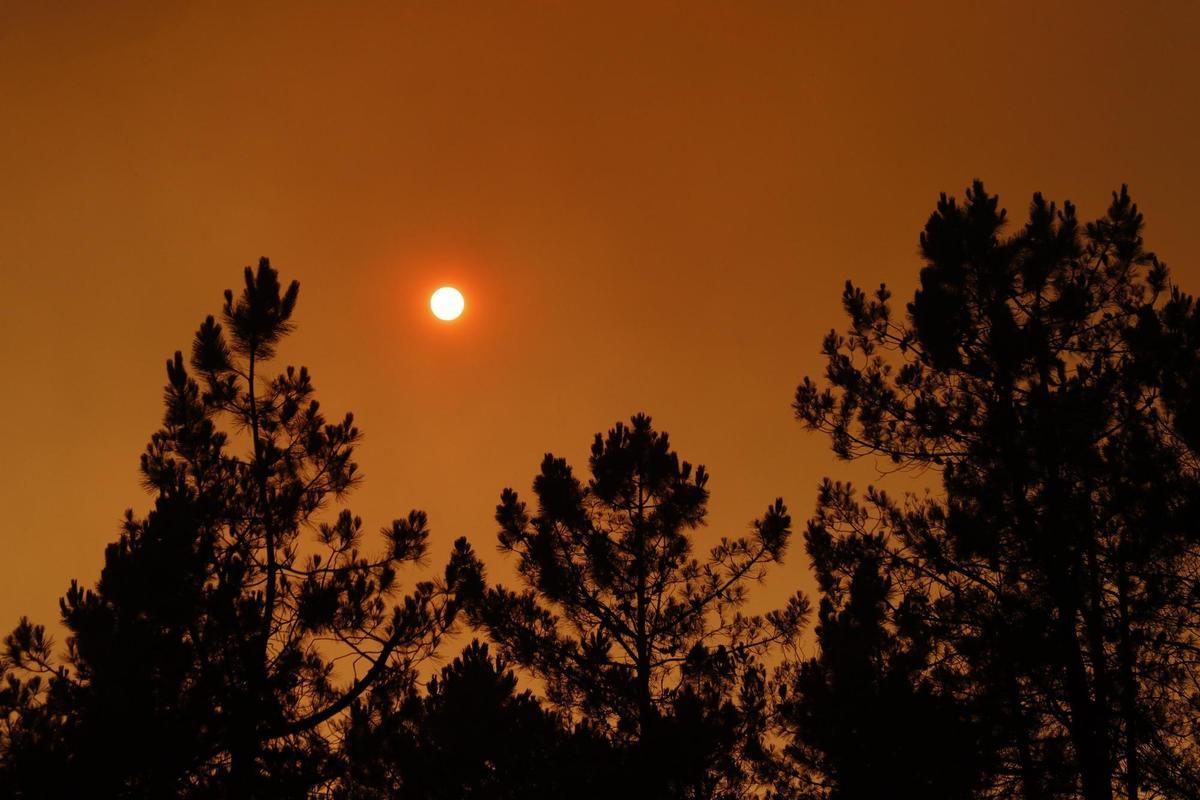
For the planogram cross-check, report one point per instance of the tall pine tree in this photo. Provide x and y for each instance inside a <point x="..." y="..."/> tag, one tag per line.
<point x="203" y="662"/>
<point x="1035" y="371"/>
<point x="626" y="628"/>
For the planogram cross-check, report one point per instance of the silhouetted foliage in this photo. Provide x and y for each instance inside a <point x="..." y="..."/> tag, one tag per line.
<point x="1048" y="376"/>
<point x="874" y="714"/>
<point x="202" y="663"/>
<point x="1029" y="628"/>
<point x="627" y="630"/>
<point x="471" y="734"/>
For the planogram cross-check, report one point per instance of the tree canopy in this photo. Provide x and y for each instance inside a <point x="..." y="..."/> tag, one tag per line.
<point x="203" y="661"/>
<point x="1051" y="580"/>
<point x="628" y="630"/>
<point x="1027" y="627"/>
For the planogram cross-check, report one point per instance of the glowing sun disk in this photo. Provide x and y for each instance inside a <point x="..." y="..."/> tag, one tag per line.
<point x="447" y="303"/>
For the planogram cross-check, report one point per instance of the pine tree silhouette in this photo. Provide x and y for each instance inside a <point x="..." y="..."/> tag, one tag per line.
<point x="201" y="663"/>
<point x="1037" y="372"/>
<point x="626" y="628"/>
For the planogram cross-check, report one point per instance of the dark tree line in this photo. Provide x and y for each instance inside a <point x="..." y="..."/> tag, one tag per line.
<point x="1027" y="629"/>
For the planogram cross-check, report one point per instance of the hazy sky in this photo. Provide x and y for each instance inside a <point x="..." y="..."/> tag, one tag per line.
<point x="649" y="206"/>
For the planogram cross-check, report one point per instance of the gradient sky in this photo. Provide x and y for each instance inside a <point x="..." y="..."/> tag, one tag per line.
<point x="649" y="206"/>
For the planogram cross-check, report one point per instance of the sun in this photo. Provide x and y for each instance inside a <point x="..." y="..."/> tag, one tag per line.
<point x="447" y="303"/>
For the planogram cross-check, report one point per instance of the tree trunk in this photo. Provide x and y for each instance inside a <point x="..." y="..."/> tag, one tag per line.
<point x="1087" y="734"/>
<point x="645" y="701"/>
<point x="1129" y="690"/>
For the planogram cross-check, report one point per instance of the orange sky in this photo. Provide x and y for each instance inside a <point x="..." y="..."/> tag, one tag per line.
<point x="649" y="206"/>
